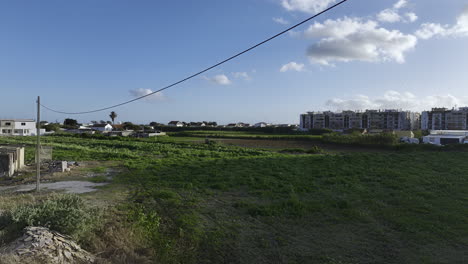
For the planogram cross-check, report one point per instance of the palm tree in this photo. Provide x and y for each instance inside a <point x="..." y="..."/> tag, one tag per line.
<point x="113" y="115"/>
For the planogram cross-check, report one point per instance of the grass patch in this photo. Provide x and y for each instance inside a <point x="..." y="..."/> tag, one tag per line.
<point x="65" y="213"/>
<point x="100" y="169"/>
<point x="98" y="179"/>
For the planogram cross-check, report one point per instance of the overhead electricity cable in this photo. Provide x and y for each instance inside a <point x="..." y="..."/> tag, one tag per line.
<point x="203" y="71"/>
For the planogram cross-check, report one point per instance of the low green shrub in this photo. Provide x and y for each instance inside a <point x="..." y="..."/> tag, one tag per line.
<point x="147" y="223"/>
<point x="315" y="150"/>
<point x="65" y="213"/>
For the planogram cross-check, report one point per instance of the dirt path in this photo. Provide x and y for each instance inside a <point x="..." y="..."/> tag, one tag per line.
<point x="67" y="186"/>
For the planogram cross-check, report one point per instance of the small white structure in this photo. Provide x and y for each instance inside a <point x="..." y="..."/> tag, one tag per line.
<point x="176" y="124"/>
<point x="262" y="124"/>
<point x="446" y="137"/>
<point x="102" y="127"/>
<point x="11" y="160"/>
<point x="240" y="124"/>
<point x="18" y="127"/>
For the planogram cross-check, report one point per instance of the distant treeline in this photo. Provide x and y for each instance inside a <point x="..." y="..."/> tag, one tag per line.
<point x="267" y="130"/>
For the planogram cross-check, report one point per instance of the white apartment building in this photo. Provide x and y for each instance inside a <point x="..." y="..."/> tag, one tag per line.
<point x="445" y="119"/>
<point x="17" y="127"/>
<point x="370" y="119"/>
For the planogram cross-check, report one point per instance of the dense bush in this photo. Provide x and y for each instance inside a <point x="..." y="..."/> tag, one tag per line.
<point x="420" y="134"/>
<point x="383" y="139"/>
<point x="52" y="127"/>
<point x="65" y="213"/>
<point x="318" y="131"/>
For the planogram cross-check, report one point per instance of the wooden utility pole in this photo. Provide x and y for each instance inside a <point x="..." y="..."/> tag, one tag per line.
<point x="38" y="145"/>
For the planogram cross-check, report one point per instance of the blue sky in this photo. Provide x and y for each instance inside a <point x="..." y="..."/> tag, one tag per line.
<point x="87" y="54"/>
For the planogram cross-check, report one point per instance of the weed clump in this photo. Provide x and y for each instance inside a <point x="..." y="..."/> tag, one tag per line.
<point x="65" y="213"/>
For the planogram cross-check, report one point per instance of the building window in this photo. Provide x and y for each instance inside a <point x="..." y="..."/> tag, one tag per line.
<point x="23" y="124"/>
<point x="7" y="124"/>
<point x="18" y="131"/>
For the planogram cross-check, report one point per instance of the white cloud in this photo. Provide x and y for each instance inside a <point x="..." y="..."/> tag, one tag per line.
<point x="142" y="92"/>
<point x="429" y="30"/>
<point x="352" y="39"/>
<point x="411" y="17"/>
<point x="389" y="15"/>
<point x="292" y="66"/>
<point x="459" y="29"/>
<point x="220" y="79"/>
<point x="396" y="100"/>
<point x="392" y="15"/>
<point x="281" y="20"/>
<point x="308" y="6"/>
<point x="400" y="4"/>
<point x="241" y="75"/>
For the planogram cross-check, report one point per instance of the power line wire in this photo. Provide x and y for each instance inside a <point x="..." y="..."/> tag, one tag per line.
<point x="203" y="71"/>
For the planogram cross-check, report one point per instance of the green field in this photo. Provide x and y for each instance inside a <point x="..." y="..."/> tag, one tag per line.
<point x="245" y="135"/>
<point x="187" y="202"/>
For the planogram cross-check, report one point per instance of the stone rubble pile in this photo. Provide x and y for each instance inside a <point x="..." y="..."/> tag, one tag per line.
<point x="39" y="243"/>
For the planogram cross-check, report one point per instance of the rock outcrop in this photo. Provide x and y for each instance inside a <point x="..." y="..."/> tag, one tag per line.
<point x="44" y="245"/>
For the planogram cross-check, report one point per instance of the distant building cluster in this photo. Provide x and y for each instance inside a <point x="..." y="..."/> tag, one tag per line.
<point x="369" y="119"/>
<point x="445" y="119"/>
<point x="230" y="125"/>
<point x="192" y="124"/>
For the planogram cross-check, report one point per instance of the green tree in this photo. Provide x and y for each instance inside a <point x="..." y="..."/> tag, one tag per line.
<point x="113" y="116"/>
<point x="131" y="126"/>
<point x="52" y="127"/>
<point x="70" y="123"/>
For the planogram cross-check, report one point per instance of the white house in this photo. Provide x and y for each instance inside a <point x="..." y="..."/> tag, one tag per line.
<point x="445" y="137"/>
<point x="17" y="127"/>
<point x="262" y="124"/>
<point x="176" y="124"/>
<point x="240" y="124"/>
<point x="102" y="127"/>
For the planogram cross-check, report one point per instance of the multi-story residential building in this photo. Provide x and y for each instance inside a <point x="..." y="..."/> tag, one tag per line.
<point x="17" y="127"/>
<point x="445" y="119"/>
<point x="370" y="119"/>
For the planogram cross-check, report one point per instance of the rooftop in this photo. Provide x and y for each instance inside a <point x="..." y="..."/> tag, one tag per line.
<point x="19" y="120"/>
